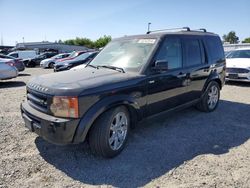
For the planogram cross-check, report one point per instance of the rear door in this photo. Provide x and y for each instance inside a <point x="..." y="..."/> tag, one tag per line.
<point x="196" y="65"/>
<point x="167" y="89"/>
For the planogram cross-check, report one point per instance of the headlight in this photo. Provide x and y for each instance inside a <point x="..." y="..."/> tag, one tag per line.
<point x="65" y="107"/>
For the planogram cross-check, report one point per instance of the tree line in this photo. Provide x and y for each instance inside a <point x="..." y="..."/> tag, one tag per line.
<point x="232" y="38"/>
<point x="99" y="43"/>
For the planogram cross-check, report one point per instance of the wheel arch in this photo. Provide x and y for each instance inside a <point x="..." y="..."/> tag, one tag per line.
<point x="49" y="63"/>
<point x="213" y="77"/>
<point x="102" y="106"/>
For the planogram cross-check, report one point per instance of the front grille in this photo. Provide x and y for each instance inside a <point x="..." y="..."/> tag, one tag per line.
<point x="37" y="100"/>
<point x="237" y="70"/>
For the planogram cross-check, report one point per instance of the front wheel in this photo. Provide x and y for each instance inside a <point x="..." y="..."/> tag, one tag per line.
<point x="51" y="65"/>
<point x="210" y="98"/>
<point x="109" y="133"/>
<point x="31" y="64"/>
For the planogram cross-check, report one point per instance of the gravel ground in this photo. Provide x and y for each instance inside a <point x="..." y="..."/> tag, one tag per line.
<point x="185" y="149"/>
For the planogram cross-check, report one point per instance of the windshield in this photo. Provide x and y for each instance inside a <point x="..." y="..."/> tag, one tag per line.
<point x="239" y="54"/>
<point x="58" y="56"/>
<point x="83" y="56"/>
<point x="73" y="54"/>
<point x="130" y="54"/>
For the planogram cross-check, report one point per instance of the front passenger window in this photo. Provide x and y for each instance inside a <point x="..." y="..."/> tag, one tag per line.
<point x="170" y="51"/>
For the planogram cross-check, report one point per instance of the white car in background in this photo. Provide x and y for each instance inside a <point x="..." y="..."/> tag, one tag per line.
<point x="49" y="63"/>
<point x="238" y="65"/>
<point x="7" y="70"/>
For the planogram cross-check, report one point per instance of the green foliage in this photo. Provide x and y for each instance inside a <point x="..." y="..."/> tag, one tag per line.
<point x="102" y="41"/>
<point x="99" y="43"/>
<point x="246" y="40"/>
<point x="231" y="38"/>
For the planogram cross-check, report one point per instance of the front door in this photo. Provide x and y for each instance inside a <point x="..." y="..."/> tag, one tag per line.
<point x="167" y="89"/>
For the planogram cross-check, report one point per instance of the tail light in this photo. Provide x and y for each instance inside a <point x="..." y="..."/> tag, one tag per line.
<point x="11" y="63"/>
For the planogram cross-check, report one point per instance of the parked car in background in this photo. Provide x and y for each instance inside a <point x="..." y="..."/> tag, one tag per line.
<point x="7" y="70"/>
<point x="26" y="54"/>
<point x="238" y="65"/>
<point x="36" y="60"/>
<point x="16" y="62"/>
<point x="79" y="60"/>
<point x="227" y="53"/>
<point x="49" y="63"/>
<point x="132" y="78"/>
<point x="71" y="56"/>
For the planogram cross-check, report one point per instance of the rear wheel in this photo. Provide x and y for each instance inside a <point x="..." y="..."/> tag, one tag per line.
<point x="210" y="98"/>
<point x="109" y="133"/>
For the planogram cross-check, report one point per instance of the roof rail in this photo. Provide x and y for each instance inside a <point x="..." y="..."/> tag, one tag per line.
<point x="160" y="30"/>
<point x="201" y="29"/>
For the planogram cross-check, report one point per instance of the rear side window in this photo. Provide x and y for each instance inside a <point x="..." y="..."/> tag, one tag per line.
<point x="215" y="48"/>
<point x="170" y="51"/>
<point x="192" y="52"/>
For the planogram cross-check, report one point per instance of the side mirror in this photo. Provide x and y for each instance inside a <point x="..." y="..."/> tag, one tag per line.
<point x="161" y="65"/>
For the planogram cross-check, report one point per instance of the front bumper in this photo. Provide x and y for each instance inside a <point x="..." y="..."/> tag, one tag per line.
<point x="243" y="77"/>
<point x="44" y="64"/>
<point x="56" y="130"/>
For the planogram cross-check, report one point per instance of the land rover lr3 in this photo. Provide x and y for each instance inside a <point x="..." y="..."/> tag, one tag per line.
<point x="132" y="78"/>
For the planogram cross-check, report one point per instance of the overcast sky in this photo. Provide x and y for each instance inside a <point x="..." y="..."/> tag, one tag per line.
<point x="38" y="20"/>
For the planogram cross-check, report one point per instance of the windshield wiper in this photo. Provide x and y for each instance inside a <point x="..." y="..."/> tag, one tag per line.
<point x="91" y="66"/>
<point x="112" y="67"/>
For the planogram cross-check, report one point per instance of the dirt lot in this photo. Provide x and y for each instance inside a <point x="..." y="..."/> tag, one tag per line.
<point x="186" y="149"/>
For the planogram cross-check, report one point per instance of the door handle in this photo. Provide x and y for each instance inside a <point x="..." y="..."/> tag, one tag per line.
<point x="151" y="82"/>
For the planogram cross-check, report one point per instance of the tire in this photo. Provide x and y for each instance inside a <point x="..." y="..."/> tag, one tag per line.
<point x="104" y="137"/>
<point x="210" y="98"/>
<point x="51" y="65"/>
<point x="31" y="64"/>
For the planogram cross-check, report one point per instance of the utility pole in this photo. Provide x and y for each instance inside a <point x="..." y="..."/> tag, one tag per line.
<point x="149" y="26"/>
<point x="1" y="39"/>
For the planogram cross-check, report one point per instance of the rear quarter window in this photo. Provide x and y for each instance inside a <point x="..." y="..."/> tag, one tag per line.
<point x="214" y="45"/>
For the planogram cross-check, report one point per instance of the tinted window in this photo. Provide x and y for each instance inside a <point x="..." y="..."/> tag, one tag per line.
<point x="170" y="51"/>
<point x="49" y="55"/>
<point x="215" y="48"/>
<point x="192" y="51"/>
<point x="239" y="54"/>
<point x="14" y="55"/>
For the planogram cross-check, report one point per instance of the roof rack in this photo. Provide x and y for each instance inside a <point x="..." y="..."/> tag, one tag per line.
<point x="201" y="29"/>
<point x="160" y="30"/>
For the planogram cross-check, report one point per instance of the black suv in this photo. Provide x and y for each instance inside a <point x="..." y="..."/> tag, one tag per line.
<point x="36" y="60"/>
<point x="132" y="78"/>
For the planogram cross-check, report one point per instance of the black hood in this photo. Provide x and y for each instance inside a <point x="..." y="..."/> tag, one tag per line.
<point x="79" y="82"/>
